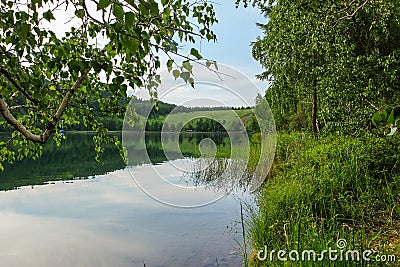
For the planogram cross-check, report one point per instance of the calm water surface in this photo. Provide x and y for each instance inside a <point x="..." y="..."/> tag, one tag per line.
<point x="107" y="220"/>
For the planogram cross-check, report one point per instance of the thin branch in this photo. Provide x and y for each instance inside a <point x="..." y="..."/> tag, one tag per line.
<point x="348" y="6"/>
<point x="88" y="14"/>
<point x="349" y="16"/>
<point x="22" y="106"/>
<point x="372" y="105"/>
<point x="14" y="95"/>
<point x="42" y="138"/>
<point x="17" y="85"/>
<point x="51" y="125"/>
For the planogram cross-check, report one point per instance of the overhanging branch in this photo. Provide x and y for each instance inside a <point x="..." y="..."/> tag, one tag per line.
<point x="42" y="138"/>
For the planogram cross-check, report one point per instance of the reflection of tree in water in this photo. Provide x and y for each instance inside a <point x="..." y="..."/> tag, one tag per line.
<point x="148" y="148"/>
<point x="227" y="172"/>
<point x="74" y="159"/>
<point x="221" y="175"/>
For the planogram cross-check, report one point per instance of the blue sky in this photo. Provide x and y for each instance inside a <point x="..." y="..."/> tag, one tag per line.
<point x="235" y="31"/>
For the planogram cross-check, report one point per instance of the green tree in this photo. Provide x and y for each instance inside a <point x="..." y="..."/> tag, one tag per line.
<point x="113" y="46"/>
<point x="338" y="58"/>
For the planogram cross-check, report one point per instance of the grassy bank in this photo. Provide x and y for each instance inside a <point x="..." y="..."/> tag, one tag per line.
<point x="337" y="187"/>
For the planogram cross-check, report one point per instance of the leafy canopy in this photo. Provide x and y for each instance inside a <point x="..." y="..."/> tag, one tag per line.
<point x="48" y="79"/>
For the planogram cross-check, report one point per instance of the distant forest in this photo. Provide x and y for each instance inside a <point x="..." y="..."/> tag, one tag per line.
<point x="197" y="125"/>
<point x="159" y="110"/>
<point x="163" y="109"/>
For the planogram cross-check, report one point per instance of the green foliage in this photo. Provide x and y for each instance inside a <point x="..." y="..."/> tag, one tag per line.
<point x="253" y="125"/>
<point x="39" y="68"/>
<point x="195" y="53"/>
<point x="336" y="187"/>
<point x="348" y="53"/>
<point x="388" y="118"/>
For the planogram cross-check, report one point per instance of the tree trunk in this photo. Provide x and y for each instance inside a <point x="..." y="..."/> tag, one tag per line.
<point x="314" y="126"/>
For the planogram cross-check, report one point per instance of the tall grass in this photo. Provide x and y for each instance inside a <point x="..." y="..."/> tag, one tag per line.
<point x="334" y="188"/>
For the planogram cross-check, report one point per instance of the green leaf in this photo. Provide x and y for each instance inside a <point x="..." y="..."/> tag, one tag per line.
<point x="185" y="76"/>
<point x="186" y="65"/>
<point x="131" y="45"/>
<point x="80" y="13"/>
<point x="96" y="66"/>
<point x="103" y="4"/>
<point x="191" y="81"/>
<point x="376" y="119"/>
<point x="130" y="18"/>
<point x="195" y="53"/>
<point x="144" y="10"/>
<point x="118" y="80"/>
<point x="24" y="29"/>
<point x="48" y="15"/>
<point x="384" y="115"/>
<point x="118" y="12"/>
<point x="215" y="65"/>
<point x="134" y="45"/>
<point x="176" y="73"/>
<point x="153" y="7"/>
<point x="164" y="2"/>
<point x="390" y="119"/>
<point x="169" y="64"/>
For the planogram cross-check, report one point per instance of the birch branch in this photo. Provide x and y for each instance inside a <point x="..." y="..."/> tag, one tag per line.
<point x="42" y="138"/>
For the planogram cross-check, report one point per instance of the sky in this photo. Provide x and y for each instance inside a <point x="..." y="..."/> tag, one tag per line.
<point x="235" y="30"/>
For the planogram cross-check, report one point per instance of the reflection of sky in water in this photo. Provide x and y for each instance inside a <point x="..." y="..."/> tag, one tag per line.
<point x="164" y="183"/>
<point x="108" y="221"/>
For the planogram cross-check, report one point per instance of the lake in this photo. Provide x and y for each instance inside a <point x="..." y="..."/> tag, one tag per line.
<point x="66" y="209"/>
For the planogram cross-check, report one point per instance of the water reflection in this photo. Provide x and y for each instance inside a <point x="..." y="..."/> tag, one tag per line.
<point x="108" y="220"/>
<point x="211" y="166"/>
<point x="220" y="175"/>
<point x="73" y="160"/>
<point x="76" y="159"/>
